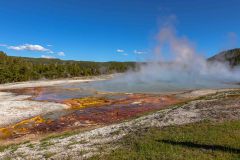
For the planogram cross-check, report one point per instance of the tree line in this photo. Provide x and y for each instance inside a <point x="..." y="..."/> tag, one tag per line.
<point x="16" y="69"/>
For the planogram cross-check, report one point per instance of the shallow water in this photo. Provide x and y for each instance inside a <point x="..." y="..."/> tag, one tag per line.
<point x="69" y="91"/>
<point x="102" y="88"/>
<point x="61" y="92"/>
<point x="145" y="87"/>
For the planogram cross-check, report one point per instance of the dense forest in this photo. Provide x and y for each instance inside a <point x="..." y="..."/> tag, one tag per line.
<point x="16" y="69"/>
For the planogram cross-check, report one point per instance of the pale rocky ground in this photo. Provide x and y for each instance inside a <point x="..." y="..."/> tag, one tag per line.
<point x="218" y="106"/>
<point x="40" y="83"/>
<point x="14" y="108"/>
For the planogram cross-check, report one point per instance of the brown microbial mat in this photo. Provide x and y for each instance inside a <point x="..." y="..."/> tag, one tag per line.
<point x="86" y="109"/>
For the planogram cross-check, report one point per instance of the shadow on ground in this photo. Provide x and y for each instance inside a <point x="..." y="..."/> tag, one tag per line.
<point x="202" y="146"/>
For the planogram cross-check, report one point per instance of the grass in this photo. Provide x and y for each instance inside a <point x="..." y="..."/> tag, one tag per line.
<point x="48" y="155"/>
<point x="60" y="135"/>
<point x="45" y="144"/>
<point x="11" y="146"/>
<point x="76" y="142"/>
<point x="200" y="141"/>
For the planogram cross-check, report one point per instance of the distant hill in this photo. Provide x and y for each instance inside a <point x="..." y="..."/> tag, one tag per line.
<point x="232" y="57"/>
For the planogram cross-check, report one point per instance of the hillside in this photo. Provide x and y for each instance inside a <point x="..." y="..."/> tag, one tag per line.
<point x="16" y="69"/>
<point x="232" y="57"/>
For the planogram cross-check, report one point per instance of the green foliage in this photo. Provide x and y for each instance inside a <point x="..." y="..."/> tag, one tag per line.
<point x="205" y="140"/>
<point x="16" y="69"/>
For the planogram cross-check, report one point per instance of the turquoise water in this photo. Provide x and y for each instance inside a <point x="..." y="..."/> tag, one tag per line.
<point x="125" y="85"/>
<point x="145" y="87"/>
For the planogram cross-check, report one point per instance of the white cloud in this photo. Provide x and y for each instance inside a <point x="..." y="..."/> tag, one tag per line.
<point x="3" y="45"/>
<point x="125" y="54"/>
<point x="50" y="52"/>
<point x="47" y="57"/>
<point x="61" y="53"/>
<point x="34" y="47"/>
<point x="29" y="47"/>
<point x="138" y="52"/>
<point x="49" y="45"/>
<point x="120" y="50"/>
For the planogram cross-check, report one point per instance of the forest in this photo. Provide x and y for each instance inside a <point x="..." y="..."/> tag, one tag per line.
<point x="17" y="69"/>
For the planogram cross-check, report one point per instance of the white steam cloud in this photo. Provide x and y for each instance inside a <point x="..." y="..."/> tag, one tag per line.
<point x="186" y="70"/>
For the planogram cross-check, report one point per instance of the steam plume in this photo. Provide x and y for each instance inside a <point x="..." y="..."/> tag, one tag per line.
<point x="186" y="70"/>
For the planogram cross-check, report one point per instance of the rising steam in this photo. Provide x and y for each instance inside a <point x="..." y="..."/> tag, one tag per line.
<point x="186" y="70"/>
<point x="186" y="66"/>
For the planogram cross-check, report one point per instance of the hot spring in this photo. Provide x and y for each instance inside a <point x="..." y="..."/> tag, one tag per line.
<point x="186" y="70"/>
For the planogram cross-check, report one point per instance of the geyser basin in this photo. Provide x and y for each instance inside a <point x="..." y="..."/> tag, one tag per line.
<point x="125" y="85"/>
<point x="99" y="108"/>
<point x="119" y="84"/>
<point x="88" y="112"/>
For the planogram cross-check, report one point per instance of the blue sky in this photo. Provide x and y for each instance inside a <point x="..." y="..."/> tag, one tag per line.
<point x="119" y="30"/>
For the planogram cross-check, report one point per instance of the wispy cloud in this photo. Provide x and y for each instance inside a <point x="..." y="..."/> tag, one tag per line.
<point x="29" y="47"/>
<point x="61" y="53"/>
<point x="125" y="54"/>
<point x="47" y="57"/>
<point x="50" y="51"/>
<point x="138" y="52"/>
<point x="3" y="45"/>
<point x="33" y="47"/>
<point x="119" y="50"/>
